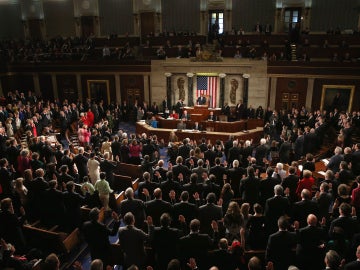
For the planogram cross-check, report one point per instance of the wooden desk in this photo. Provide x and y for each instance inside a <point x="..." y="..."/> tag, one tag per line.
<point x="163" y="133"/>
<point x="218" y="126"/>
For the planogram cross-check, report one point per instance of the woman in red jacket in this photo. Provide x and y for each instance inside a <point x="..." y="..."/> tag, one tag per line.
<point x="306" y="183"/>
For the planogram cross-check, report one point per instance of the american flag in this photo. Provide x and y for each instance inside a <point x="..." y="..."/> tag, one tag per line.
<point x="208" y="86"/>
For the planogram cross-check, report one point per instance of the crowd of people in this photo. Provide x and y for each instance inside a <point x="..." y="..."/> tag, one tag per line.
<point x="83" y="49"/>
<point x="211" y="203"/>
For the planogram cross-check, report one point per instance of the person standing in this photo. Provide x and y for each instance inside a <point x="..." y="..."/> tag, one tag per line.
<point x="103" y="187"/>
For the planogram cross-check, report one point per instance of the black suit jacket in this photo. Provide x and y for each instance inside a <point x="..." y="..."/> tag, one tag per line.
<point x="234" y="177"/>
<point x="250" y="189"/>
<point x="275" y="207"/>
<point x="219" y="171"/>
<point x="81" y="164"/>
<point x="355" y="265"/>
<point x="155" y="208"/>
<point x="97" y="236"/>
<point x="195" y="245"/>
<point x="164" y="242"/>
<point x="208" y="213"/>
<point x="179" y="168"/>
<point x="188" y="210"/>
<point x="302" y="209"/>
<point x="348" y="224"/>
<point x="279" y="249"/>
<point x="308" y="253"/>
<point x="137" y="208"/>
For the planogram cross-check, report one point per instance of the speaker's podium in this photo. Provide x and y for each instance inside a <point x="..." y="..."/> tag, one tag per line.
<point x="201" y="112"/>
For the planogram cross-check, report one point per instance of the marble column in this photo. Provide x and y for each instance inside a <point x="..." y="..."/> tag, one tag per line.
<point x="246" y="89"/>
<point x="309" y="93"/>
<point x="190" y="89"/>
<point x="168" y="88"/>
<point x="222" y="89"/>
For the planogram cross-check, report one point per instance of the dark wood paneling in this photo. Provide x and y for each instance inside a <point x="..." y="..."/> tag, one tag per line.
<point x="318" y="84"/>
<point x="67" y="88"/>
<point x="291" y="86"/>
<point x="147" y="23"/>
<point x="46" y="87"/>
<point x="109" y="78"/>
<point x="132" y="84"/>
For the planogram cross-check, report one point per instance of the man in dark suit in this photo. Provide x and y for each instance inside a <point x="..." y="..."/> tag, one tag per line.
<point x="196" y="245"/>
<point x="186" y="115"/>
<point x="209" y="212"/>
<point x="310" y="249"/>
<point x="197" y="126"/>
<point x="135" y="206"/>
<point x="219" y="172"/>
<point x="11" y="229"/>
<point x="37" y="188"/>
<point x="6" y="177"/>
<point x="97" y="235"/>
<point x="107" y="166"/>
<point x="305" y="207"/>
<point x="165" y="105"/>
<point x="164" y="239"/>
<point x="221" y="257"/>
<point x="201" y="100"/>
<point x="354" y="265"/>
<point x="54" y="206"/>
<point x="299" y="145"/>
<point x="250" y="187"/>
<point x="234" y="152"/>
<point x="12" y="152"/>
<point x="184" y="208"/>
<point x="81" y="163"/>
<point x="280" y="245"/>
<point x="310" y="142"/>
<point x="290" y="184"/>
<point x="115" y="147"/>
<point x="345" y="221"/>
<point x="240" y="110"/>
<point x="235" y="174"/>
<point x="267" y="186"/>
<point x="168" y="185"/>
<point x="72" y="202"/>
<point x="209" y="155"/>
<point x="355" y="160"/>
<point x="194" y="189"/>
<point x="180" y="168"/>
<point x="155" y="208"/>
<point x="261" y="152"/>
<point x="275" y="207"/>
<point x="212" y="117"/>
<point x="132" y="242"/>
<point x="200" y="169"/>
<point x="146" y="188"/>
<point x="184" y="150"/>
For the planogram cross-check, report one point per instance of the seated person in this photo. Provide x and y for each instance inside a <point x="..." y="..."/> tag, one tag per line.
<point x="174" y="115"/>
<point x="153" y="123"/>
<point x="197" y="126"/>
<point x="201" y="100"/>
<point x="212" y="117"/>
<point x="185" y="115"/>
<point x="181" y="124"/>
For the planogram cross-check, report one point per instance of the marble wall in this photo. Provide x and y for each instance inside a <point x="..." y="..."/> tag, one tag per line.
<point x="234" y="69"/>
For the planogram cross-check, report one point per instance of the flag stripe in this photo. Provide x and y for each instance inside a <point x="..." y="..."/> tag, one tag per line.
<point x="207" y="86"/>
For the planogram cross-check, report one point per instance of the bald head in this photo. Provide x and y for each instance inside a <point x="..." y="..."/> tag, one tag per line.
<point x="312" y="220"/>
